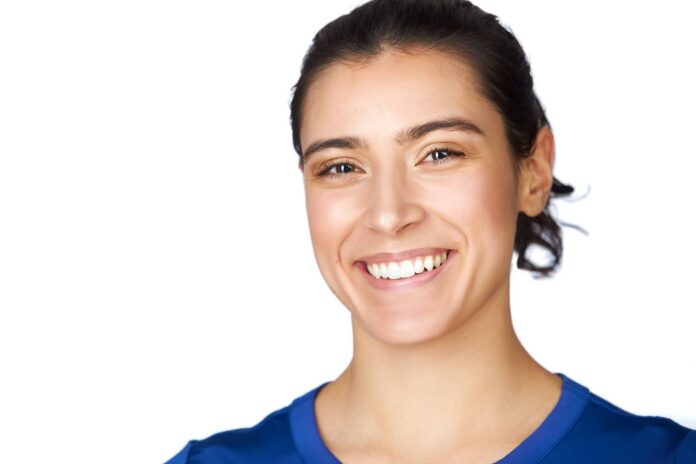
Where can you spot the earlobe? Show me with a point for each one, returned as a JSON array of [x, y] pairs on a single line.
[[537, 174]]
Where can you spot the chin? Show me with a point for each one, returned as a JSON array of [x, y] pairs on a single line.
[[402, 327]]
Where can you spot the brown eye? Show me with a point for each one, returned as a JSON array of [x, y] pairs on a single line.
[[336, 169], [440, 155]]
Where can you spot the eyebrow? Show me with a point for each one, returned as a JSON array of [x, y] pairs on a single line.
[[402, 137]]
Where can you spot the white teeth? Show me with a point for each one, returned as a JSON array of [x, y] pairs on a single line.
[[406, 268], [374, 270], [394, 270], [418, 265]]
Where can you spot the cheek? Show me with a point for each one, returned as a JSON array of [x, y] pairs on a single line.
[[329, 216], [479, 202], [494, 205]]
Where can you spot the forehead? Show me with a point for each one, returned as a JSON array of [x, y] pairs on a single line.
[[393, 91]]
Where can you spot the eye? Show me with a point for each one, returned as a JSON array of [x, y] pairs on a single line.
[[442, 154], [336, 169]]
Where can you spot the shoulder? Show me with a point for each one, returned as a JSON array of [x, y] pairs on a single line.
[[273, 439], [608, 433], [270, 440]]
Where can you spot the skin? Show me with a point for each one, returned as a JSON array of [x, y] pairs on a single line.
[[438, 374]]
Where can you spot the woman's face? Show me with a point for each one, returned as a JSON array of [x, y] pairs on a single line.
[[384, 193]]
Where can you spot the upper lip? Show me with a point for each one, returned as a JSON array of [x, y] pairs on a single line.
[[401, 255]]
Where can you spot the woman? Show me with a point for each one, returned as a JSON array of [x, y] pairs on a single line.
[[427, 162]]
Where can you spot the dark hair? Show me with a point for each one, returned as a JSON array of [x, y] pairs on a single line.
[[460, 28]]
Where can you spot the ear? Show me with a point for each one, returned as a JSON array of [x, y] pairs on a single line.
[[536, 176]]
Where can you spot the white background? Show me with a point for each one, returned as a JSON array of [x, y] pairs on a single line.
[[157, 281]]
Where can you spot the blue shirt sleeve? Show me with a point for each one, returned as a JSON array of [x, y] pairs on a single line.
[[687, 450], [182, 456]]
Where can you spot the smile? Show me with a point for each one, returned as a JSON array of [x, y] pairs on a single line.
[[407, 267], [409, 272]]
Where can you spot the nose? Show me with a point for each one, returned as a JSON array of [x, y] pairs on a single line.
[[393, 204]]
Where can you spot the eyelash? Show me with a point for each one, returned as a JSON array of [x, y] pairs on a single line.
[[324, 172]]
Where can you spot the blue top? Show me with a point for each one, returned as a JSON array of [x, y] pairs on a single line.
[[581, 428]]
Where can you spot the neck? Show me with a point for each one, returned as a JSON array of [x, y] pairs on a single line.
[[473, 384]]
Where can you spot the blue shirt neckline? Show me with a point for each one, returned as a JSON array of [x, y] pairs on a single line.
[[570, 406]]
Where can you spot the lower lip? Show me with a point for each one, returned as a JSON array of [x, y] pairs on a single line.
[[409, 282]]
